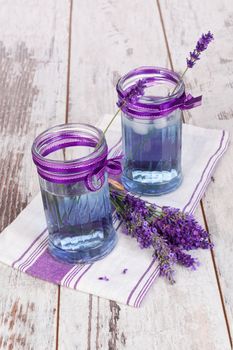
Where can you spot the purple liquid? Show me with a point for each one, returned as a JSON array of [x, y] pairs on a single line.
[[152, 149], [79, 222]]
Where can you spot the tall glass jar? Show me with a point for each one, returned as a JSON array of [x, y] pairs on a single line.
[[152, 129], [75, 192]]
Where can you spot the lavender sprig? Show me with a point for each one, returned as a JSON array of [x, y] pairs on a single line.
[[201, 46], [133, 92], [194, 56], [166, 257], [168, 231], [131, 96]]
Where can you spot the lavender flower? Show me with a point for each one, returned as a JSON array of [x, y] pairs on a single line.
[[131, 96], [165, 256], [103, 278], [133, 93], [136, 91], [168, 231], [181, 229], [185, 259], [201, 46]]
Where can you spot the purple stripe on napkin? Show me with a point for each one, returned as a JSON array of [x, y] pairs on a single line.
[[66, 282], [31, 245], [49, 269], [208, 178], [78, 280], [139, 281], [34, 255], [203, 173], [146, 287]]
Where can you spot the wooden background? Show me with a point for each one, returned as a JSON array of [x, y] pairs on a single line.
[[60, 61]]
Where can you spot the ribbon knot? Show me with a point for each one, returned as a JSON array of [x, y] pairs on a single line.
[[131, 103], [112, 166], [191, 102]]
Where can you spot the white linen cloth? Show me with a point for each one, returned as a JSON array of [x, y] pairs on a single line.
[[129, 270]]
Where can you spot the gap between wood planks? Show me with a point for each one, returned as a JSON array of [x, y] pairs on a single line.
[[217, 278], [58, 315], [201, 202], [64, 154], [68, 64]]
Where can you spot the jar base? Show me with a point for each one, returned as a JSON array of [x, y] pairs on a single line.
[[84, 256], [151, 189]]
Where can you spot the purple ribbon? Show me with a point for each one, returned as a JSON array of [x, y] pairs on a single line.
[[89, 169], [131, 103]]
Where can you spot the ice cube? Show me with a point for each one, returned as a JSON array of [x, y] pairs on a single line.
[[140, 127], [160, 123]]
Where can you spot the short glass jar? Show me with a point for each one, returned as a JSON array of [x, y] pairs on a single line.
[[75, 192], [151, 130]]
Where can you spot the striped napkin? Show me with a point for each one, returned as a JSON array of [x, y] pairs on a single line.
[[128, 271]]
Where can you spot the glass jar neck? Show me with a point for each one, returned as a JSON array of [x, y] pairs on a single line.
[[65, 136], [151, 104]]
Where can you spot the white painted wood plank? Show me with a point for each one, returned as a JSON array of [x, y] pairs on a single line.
[[213, 77], [33, 73], [109, 38], [188, 315], [28, 312], [185, 316]]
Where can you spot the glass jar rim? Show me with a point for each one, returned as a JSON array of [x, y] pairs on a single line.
[[135, 104], [90, 168], [151, 72], [101, 144]]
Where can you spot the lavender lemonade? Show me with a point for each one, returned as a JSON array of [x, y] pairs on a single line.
[[75, 191], [151, 101], [79, 221], [152, 154]]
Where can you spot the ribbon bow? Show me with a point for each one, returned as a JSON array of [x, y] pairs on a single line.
[[129, 98], [191, 102], [95, 180]]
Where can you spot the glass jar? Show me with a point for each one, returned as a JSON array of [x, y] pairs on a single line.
[[152, 129], [75, 192], [152, 162]]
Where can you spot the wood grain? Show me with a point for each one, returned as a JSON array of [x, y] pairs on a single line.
[[187, 315], [108, 39], [213, 77], [28, 311], [33, 71], [106, 43]]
